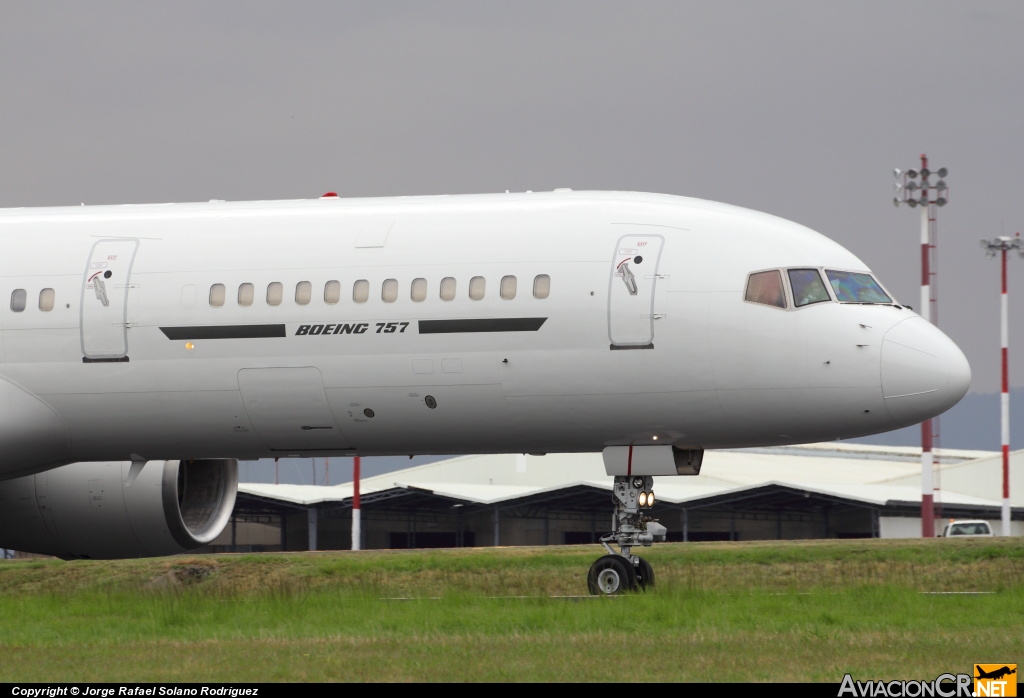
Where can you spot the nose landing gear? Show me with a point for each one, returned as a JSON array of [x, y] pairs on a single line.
[[616, 573]]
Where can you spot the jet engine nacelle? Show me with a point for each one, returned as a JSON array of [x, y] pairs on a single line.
[[89, 510]]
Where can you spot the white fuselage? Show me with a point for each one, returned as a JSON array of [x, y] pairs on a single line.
[[153, 349]]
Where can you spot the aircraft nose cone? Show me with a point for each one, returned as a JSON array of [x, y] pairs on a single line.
[[923, 372]]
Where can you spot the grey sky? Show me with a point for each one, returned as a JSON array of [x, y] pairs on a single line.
[[800, 109]]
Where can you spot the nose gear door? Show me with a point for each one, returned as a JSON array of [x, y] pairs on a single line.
[[634, 273], [104, 300]]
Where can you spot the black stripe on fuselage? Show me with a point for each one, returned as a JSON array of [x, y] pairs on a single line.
[[224, 331], [507, 324]]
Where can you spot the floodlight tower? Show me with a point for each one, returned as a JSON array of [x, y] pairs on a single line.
[[914, 188], [1002, 245]]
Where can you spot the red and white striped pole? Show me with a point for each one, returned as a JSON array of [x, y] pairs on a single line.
[[928, 196], [356, 512], [1004, 343], [927, 460], [1004, 245]]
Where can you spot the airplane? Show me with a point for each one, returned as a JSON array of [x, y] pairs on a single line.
[[648, 327], [995, 674]]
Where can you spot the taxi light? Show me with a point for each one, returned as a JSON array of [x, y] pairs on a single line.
[[650, 499], [643, 499]]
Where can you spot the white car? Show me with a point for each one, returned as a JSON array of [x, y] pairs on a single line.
[[971, 528]]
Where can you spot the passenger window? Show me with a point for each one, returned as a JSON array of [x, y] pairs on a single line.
[[807, 287], [217, 294], [332, 292], [542, 286], [448, 288], [508, 287], [856, 288], [275, 292], [246, 293], [361, 291], [766, 287], [389, 291], [46, 299], [18, 300], [303, 292], [418, 292], [476, 288]]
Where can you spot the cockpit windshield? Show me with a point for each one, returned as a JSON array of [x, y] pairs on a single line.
[[851, 287], [807, 287]]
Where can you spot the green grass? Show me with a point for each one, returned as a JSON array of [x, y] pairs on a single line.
[[779, 611]]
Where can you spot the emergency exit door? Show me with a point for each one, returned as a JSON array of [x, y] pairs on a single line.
[[634, 277], [105, 288]]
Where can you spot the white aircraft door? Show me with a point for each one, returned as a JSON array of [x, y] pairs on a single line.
[[288, 409], [105, 300], [634, 274]]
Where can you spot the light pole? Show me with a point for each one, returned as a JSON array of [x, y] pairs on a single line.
[[914, 188], [1002, 245]]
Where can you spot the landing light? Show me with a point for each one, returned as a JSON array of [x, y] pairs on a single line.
[[643, 499], [650, 499]]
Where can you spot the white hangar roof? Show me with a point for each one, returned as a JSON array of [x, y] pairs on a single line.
[[872, 475]]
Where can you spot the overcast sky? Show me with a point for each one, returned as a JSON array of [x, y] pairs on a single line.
[[800, 109]]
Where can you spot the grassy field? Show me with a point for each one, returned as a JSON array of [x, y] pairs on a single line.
[[759, 611]]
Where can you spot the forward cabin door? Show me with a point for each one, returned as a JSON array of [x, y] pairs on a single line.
[[105, 288], [632, 283]]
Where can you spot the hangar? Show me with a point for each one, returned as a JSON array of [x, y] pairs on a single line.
[[829, 490]]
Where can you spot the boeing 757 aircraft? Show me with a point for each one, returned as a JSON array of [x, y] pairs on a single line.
[[145, 348]]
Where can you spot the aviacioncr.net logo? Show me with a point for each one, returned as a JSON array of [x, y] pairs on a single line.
[[943, 686], [995, 680]]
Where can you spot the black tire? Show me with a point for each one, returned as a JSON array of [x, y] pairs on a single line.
[[610, 575], [644, 574]]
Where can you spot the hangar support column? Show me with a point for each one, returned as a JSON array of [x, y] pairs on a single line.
[[311, 520]]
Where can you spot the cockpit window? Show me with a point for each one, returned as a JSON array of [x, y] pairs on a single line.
[[766, 287], [851, 287], [807, 287]]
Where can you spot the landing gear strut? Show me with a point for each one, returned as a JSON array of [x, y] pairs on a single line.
[[616, 573]]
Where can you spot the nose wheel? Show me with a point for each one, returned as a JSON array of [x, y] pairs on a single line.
[[618, 573], [610, 575], [644, 574]]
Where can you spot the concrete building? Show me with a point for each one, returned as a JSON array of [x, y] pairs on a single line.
[[830, 490]]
